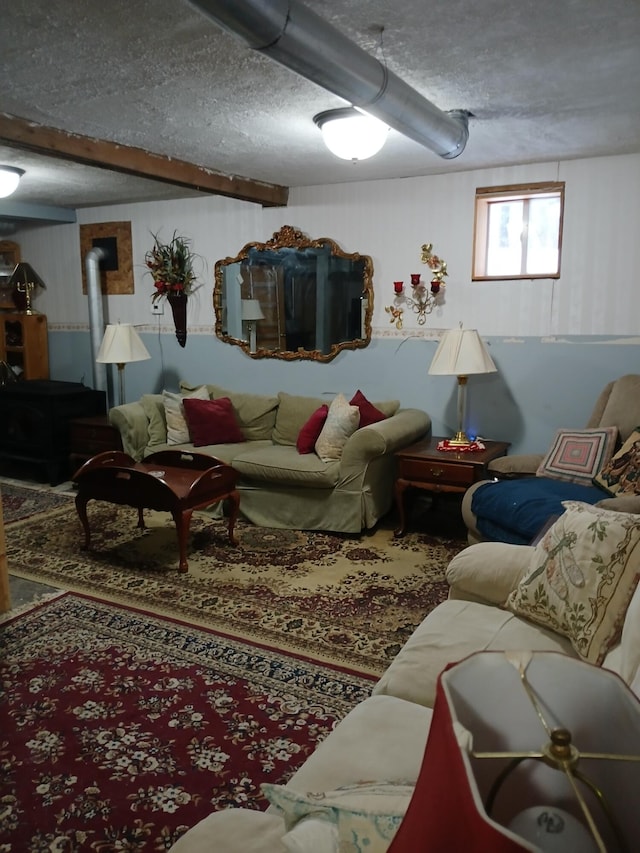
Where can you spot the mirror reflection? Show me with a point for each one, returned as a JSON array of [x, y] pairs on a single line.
[[294, 298]]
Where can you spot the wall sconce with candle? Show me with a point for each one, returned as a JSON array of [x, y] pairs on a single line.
[[422, 299]]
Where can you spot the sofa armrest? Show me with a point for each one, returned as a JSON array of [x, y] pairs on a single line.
[[622, 503], [487, 571], [526, 464], [384, 437], [132, 423]]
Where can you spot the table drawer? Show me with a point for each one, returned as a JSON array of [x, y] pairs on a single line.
[[91, 439], [428, 471]]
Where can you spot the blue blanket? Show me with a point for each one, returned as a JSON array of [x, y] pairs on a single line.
[[516, 510]]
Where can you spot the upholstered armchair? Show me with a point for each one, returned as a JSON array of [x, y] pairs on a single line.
[[515, 505]]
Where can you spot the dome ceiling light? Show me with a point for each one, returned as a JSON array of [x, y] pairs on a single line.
[[9, 180], [296, 37], [351, 134]]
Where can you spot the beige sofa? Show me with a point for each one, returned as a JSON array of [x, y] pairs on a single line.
[[383, 738], [280, 487]]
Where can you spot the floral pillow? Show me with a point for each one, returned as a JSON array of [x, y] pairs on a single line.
[[578, 455], [621, 476], [365, 816], [581, 577], [342, 421]]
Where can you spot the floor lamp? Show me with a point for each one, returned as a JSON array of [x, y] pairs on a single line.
[[461, 353], [120, 345]]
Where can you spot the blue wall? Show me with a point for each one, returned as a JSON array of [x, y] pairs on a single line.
[[555, 383]]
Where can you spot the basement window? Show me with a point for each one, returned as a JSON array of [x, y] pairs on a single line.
[[518, 231]]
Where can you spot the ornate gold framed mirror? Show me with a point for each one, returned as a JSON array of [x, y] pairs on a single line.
[[294, 298]]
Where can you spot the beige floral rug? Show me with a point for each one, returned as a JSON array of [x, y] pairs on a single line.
[[351, 601]]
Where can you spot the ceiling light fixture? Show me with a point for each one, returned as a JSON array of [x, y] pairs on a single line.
[[9, 180], [351, 134]]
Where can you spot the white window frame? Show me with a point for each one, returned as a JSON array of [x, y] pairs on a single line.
[[515, 192]]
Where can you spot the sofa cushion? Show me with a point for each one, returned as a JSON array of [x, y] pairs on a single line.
[[282, 465], [515, 511], [369, 414], [621, 476], [177, 429], [578, 455], [153, 405], [452, 631], [364, 816], [308, 435], [581, 578], [293, 413], [256, 413], [342, 421], [487, 571], [211, 421]]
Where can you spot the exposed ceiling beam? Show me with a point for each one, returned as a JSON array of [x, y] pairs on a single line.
[[50, 141]]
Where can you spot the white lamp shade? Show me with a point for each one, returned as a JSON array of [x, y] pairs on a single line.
[[120, 345], [461, 352], [9, 180], [251, 310], [351, 134]]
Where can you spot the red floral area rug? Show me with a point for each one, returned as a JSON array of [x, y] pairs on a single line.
[[120, 730]]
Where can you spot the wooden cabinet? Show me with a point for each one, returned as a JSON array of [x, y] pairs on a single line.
[[24, 344]]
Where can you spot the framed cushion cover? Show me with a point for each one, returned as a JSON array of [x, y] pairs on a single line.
[[621, 475], [581, 578], [578, 455]]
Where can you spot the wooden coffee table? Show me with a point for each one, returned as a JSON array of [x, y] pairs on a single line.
[[170, 481]]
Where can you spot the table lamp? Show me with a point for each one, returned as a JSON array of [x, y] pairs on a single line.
[[251, 313], [533, 751], [23, 281], [460, 353], [120, 345]]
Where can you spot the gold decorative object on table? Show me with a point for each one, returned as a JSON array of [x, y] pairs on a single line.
[[422, 299]]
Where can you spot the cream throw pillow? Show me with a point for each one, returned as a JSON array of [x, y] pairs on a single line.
[[342, 421], [582, 576], [177, 429]]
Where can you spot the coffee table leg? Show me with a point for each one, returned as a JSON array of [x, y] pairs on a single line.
[[81, 507], [234, 506], [183, 521]]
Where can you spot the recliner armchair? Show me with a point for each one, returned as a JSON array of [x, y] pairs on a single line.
[[515, 505]]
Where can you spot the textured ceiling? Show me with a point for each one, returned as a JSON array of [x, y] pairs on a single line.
[[544, 80]]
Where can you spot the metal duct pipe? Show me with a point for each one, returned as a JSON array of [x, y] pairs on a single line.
[[96, 316], [294, 36]]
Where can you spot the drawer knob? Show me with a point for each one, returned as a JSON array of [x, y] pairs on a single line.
[[437, 472]]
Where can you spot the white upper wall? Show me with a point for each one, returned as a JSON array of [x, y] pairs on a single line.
[[597, 293]]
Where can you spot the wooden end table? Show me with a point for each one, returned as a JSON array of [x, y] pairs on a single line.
[[90, 436], [423, 466], [168, 481]]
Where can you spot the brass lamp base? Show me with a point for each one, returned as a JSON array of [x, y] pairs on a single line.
[[460, 439]]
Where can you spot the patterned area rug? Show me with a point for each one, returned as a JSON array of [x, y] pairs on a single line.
[[19, 502], [349, 600], [120, 730]]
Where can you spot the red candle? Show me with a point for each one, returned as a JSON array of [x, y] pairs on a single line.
[[397, 286], [415, 279], [435, 285]]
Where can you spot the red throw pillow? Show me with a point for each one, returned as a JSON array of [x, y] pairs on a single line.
[[368, 412], [211, 421], [309, 433]]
